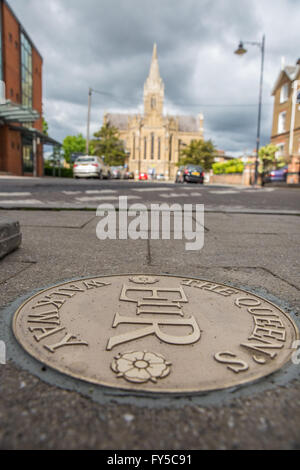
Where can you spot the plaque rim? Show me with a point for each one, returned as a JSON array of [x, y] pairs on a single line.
[[143, 389]]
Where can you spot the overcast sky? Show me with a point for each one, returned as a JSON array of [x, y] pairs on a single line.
[[107, 44]]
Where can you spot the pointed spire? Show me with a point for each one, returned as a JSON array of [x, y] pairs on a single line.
[[154, 57], [154, 81], [154, 69]]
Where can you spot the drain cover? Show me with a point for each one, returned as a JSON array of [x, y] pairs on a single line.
[[155, 333]]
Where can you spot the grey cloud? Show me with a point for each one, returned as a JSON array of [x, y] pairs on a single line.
[[107, 44]]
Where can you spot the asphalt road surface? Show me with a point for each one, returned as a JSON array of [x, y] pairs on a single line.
[[43, 409], [67, 193]]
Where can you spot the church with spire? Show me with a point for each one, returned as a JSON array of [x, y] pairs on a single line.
[[154, 140]]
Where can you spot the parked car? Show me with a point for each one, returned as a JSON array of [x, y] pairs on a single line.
[[115, 172], [129, 175], [143, 177], [118, 172], [90, 167], [161, 177], [279, 175], [190, 174]]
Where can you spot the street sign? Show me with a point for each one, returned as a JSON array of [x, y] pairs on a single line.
[[155, 333]]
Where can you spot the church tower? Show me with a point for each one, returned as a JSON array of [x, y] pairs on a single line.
[[154, 89]]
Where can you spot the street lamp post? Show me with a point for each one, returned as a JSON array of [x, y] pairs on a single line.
[[91, 91], [88, 121], [241, 51]]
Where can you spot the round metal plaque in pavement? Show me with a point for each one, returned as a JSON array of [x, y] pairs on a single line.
[[155, 333]]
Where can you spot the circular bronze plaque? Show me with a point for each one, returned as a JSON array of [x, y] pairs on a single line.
[[155, 333]]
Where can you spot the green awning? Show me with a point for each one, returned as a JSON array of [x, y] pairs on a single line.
[[31, 133], [12, 112]]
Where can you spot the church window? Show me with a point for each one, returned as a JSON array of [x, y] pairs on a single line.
[[171, 148], [153, 102], [133, 148], [159, 149], [152, 146]]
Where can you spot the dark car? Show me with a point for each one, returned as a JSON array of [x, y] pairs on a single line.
[[279, 175], [116, 173], [190, 174]]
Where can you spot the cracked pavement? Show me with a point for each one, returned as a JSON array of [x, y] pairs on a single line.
[[254, 252]]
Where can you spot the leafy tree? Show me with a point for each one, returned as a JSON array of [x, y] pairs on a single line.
[[73, 144], [45, 127], [267, 157], [109, 145], [232, 166], [199, 152]]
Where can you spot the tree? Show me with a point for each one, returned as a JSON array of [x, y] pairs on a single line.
[[199, 152], [232, 166], [45, 127], [108, 145], [267, 157], [73, 144]]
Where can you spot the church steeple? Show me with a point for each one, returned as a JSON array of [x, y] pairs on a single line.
[[154, 90]]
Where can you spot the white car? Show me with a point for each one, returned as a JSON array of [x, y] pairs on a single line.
[[91, 167]]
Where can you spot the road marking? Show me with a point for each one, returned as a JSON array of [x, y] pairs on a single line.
[[15, 194], [26, 201], [262, 190], [191, 187], [104, 198], [101, 191], [223, 192], [152, 189], [71, 193], [174, 195]]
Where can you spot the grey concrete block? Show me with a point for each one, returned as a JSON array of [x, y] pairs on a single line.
[[10, 236]]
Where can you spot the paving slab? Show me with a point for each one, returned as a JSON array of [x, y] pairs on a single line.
[[42, 409], [67, 219], [249, 223]]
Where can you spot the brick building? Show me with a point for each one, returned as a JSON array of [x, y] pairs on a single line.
[[21, 124], [286, 119]]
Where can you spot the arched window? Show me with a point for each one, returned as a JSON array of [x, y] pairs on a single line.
[[171, 148], [145, 148], [153, 102], [152, 146], [284, 93], [159, 148], [133, 147]]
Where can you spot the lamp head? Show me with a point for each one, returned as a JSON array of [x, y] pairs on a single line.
[[240, 50]]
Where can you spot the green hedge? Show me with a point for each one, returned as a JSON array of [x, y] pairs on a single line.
[[232, 166], [64, 172]]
